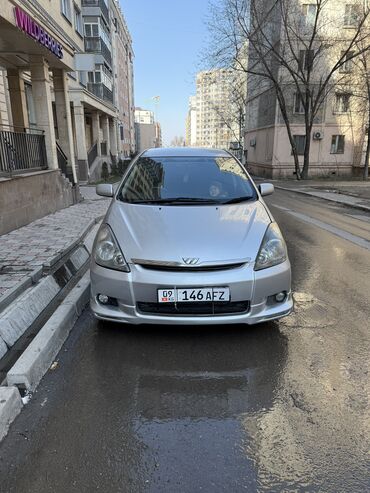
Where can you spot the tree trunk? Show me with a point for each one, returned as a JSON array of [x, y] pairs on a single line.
[[306, 155], [367, 156]]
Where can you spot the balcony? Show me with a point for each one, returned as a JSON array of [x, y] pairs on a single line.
[[97, 3], [101, 91], [94, 44]]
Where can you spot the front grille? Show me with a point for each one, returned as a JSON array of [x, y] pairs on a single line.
[[191, 309], [179, 268]]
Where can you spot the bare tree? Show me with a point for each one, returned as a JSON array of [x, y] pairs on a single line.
[[359, 78], [293, 48], [178, 141]]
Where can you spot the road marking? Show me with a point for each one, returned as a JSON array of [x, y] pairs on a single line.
[[327, 227]]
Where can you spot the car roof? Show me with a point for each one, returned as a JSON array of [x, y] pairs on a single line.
[[184, 152]]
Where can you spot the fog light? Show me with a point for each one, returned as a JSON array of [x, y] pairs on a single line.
[[103, 299], [280, 297]]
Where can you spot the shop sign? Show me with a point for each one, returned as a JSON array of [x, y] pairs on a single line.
[[35, 31]]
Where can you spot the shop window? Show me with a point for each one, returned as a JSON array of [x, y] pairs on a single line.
[[30, 107], [337, 144]]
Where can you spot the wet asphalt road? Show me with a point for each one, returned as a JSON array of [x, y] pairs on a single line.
[[282, 406]]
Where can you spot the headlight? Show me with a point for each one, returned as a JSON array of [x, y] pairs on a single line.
[[273, 249], [107, 252]]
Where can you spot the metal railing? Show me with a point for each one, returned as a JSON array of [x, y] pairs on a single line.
[[100, 90], [92, 154], [21, 149], [94, 44], [63, 164]]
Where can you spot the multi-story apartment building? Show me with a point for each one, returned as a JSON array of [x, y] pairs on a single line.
[[59, 104], [216, 122], [124, 81], [191, 123], [144, 116], [148, 132], [337, 139]]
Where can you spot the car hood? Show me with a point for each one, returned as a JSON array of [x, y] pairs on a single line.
[[212, 234]]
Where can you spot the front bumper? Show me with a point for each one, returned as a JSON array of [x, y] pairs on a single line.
[[141, 285]]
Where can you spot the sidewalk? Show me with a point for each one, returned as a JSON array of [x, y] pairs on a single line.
[[28, 252], [351, 193]]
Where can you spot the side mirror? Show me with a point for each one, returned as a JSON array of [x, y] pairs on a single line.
[[266, 189], [105, 190]]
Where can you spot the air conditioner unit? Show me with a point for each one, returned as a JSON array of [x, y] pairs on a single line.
[[252, 142], [318, 135]]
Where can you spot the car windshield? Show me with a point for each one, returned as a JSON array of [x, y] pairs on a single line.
[[187, 180]]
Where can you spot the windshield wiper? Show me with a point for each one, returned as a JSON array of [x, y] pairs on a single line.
[[237, 200], [176, 200]]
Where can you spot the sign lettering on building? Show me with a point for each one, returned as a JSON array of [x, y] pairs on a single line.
[[35, 31]]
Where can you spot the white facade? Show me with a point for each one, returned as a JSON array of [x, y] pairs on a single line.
[[216, 121], [191, 122], [144, 116]]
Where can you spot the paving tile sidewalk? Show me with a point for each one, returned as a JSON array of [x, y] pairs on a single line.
[[352, 193], [27, 251]]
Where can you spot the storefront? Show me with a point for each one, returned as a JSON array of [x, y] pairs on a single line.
[[37, 47]]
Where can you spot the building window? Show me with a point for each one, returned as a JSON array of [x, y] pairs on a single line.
[[337, 144], [351, 15], [65, 7], [348, 62], [92, 30], [306, 58], [94, 77], [121, 132], [300, 142], [78, 20], [342, 103], [298, 104], [309, 13]]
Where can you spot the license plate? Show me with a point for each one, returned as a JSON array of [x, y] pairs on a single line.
[[185, 295]]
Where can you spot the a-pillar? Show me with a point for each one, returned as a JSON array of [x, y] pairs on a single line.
[[106, 138], [64, 120], [43, 107], [81, 149], [96, 131], [17, 97], [113, 136]]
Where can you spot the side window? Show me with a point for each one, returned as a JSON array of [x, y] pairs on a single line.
[[300, 142], [337, 144], [65, 7]]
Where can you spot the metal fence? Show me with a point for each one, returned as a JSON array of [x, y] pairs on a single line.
[[92, 154], [21, 150]]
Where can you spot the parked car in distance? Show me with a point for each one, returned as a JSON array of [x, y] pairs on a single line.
[[188, 239]]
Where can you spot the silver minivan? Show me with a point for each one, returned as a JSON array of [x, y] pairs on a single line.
[[188, 239]]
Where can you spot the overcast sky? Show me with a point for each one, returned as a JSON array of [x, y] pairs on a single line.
[[168, 37]]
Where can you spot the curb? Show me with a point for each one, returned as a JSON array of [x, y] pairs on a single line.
[[10, 406], [39, 355], [329, 199], [35, 275]]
